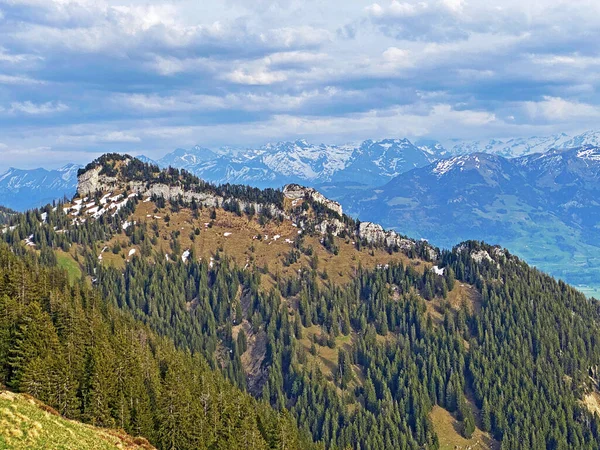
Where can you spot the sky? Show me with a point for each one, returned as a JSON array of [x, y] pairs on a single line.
[[80, 78]]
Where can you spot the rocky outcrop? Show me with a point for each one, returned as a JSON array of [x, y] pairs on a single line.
[[296, 192], [91, 181], [371, 232], [374, 233], [336, 226]]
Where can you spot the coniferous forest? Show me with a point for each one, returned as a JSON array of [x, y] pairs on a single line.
[[158, 347]]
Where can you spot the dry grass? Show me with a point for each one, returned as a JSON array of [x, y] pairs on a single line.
[[449, 429], [241, 243], [592, 402], [26, 423], [326, 357], [462, 293]]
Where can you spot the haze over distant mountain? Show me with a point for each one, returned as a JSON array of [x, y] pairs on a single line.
[[544, 207], [523, 146], [369, 163], [334, 169], [24, 189]]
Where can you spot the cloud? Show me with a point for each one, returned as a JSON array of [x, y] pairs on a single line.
[[555, 109], [259, 76], [133, 75], [419, 21], [18, 79], [38, 109], [103, 137], [398, 57], [118, 137]]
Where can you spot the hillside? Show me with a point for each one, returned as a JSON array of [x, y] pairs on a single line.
[[543, 207], [5, 214], [361, 336], [27, 423]]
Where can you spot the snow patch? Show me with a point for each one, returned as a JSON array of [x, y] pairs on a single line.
[[438, 271]]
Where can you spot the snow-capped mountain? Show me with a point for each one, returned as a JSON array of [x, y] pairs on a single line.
[[369, 163], [543, 207], [24, 189], [185, 158], [511, 148]]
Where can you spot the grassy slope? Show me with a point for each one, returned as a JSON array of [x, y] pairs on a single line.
[[25, 423], [66, 261], [240, 243], [449, 429]]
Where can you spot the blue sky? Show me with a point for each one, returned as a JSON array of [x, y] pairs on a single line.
[[79, 78]]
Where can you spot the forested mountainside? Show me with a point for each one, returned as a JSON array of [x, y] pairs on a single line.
[[543, 207], [363, 338], [69, 348], [5, 214]]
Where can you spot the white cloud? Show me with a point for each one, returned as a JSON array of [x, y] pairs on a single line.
[[397, 9], [242, 101], [155, 75], [73, 137], [118, 136], [398, 57], [18, 79], [38, 109], [557, 109], [455, 6], [6, 56], [255, 77]]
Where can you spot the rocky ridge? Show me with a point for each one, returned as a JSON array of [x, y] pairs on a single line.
[[101, 192]]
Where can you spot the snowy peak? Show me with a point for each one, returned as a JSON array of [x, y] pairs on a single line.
[[24, 189], [589, 153], [39, 178], [475, 161], [511, 148], [181, 158], [433, 148], [589, 138], [274, 164]]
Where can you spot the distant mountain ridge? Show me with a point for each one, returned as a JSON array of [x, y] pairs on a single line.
[[515, 147], [335, 169], [369, 163], [544, 207], [25, 189]]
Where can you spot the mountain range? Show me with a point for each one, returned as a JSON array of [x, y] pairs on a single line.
[[272, 165], [541, 204], [22, 189], [193, 316], [544, 207], [332, 168]]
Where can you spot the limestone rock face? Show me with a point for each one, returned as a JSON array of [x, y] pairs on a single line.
[[374, 233], [295, 192], [337, 227], [371, 232], [91, 181]]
